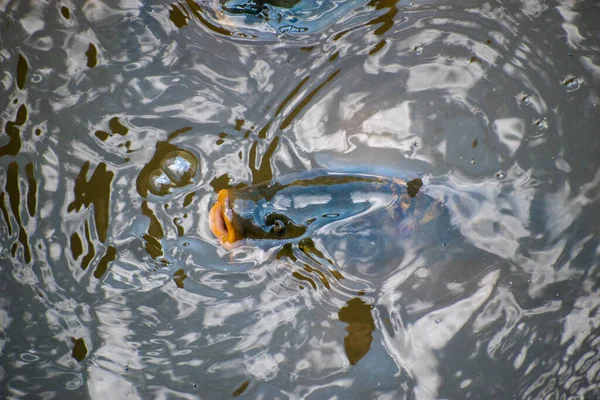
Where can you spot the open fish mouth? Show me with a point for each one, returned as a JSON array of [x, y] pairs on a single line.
[[220, 222]]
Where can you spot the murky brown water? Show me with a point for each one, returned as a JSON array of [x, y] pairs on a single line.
[[123, 119]]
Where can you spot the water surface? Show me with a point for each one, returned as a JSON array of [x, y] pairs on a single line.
[[112, 281]]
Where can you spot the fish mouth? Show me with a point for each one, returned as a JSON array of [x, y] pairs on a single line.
[[221, 224]]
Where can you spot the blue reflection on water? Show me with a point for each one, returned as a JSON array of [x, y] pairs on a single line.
[[302, 17]]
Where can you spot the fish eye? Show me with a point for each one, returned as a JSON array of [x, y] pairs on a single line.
[[276, 223], [277, 227]]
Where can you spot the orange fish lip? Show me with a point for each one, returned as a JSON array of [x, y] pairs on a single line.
[[221, 224]]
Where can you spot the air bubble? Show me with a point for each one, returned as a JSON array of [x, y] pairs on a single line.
[[571, 83], [540, 124], [524, 98], [500, 175], [180, 166], [176, 169], [159, 183]]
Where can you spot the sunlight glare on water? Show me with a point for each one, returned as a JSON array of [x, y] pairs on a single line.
[[123, 120]]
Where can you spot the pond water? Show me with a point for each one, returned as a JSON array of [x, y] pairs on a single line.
[[124, 118]]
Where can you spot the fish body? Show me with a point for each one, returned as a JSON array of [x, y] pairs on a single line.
[[308, 204]]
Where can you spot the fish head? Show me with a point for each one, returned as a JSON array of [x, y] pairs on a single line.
[[248, 214]]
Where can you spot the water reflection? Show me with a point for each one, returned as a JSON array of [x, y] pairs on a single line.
[[262, 19], [112, 284]]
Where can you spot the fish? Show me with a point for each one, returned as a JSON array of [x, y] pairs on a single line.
[[353, 227], [305, 205]]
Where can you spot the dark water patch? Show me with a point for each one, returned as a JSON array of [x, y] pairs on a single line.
[[154, 234], [386, 20], [155, 228], [357, 314], [22, 69], [240, 389], [13, 147], [127, 145], [305, 101], [102, 135], [109, 256], [32, 190], [220, 182], [14, 199], [292, 95], [301, 277], [321, 275], [178, 227], [92, 56], [262, 133], [152, 246], [340, 35], [286, 251], [179, 15], [187, 200], [24, 240], [263, 172], [117, 127], [178, 132], [76, 245], [222, 137], [96, 191], [91, 250], [337, 274], [378, 47], [307, 246], [178, 277], [66, 13], [239, 124], [5, 213], [79, 349]]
